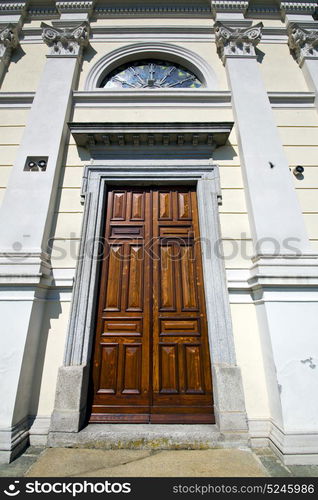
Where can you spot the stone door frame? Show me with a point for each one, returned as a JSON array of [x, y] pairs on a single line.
[[72, 387]]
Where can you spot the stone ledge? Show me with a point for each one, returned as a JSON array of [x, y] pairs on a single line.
[[146, 436]]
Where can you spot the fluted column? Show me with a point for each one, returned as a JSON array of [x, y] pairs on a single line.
[[25, 220]]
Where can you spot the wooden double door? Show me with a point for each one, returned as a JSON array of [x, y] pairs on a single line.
[[151, 355]]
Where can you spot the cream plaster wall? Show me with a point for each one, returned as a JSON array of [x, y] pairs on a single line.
[[279, 70], [53, 337], [137, 113], [269, 23], [246, 337], [25, 68], [234, 220], [299, 133], [12, 123]]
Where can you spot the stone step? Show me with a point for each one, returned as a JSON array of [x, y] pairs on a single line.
[[148, 436]]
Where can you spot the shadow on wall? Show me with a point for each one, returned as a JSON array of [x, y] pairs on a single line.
[[27, 399], [89, 54], [225, 153], [259, 55], [52, 311], [17, 54]]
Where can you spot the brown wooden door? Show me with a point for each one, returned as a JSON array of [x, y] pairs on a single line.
[[151, 355]]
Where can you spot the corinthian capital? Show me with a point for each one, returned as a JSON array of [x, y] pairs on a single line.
[[8, 42], [237, 42], [66, 41], [303, 43]]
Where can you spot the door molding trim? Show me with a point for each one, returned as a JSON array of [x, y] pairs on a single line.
[[72, 385]]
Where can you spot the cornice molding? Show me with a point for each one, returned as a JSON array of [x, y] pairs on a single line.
[[43, 12], [237, 42], [12, 7], [66, 41], [67, 6], [107, 11], [14, 13], [51, 9], [16, 99], [298, 7], [9, 41], [188, 98], [302, 43], [144, 98], [229, 6], [96, 135]]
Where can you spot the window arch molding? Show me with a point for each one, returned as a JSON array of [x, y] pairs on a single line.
[[163, 51]]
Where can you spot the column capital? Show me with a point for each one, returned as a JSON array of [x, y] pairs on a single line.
[[303, 43], [9, 40], [237, 42], [66, 41]]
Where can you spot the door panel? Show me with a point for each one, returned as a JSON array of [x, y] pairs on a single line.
[[123, 322], [151, 354], [180, 339]]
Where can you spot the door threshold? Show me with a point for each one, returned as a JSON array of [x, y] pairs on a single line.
[[152, 418], [148, 436]]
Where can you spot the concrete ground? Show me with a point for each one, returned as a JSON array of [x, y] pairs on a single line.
[[70, 462]]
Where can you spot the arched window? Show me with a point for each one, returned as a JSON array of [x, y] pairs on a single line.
[[151, 74]]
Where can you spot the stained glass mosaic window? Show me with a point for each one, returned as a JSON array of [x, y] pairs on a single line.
[[151, 74]]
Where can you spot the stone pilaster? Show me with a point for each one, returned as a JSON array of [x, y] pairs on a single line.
[[284, 264], [265, 166], [8, 42], [303, 44], [25, 272], [12, 14]]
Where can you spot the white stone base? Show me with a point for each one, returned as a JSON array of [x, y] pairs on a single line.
[[259, 432], [297, 448], [13, 441]]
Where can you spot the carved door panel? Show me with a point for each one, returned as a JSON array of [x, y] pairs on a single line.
[[121, 372], [182, 389], [151, 356]]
